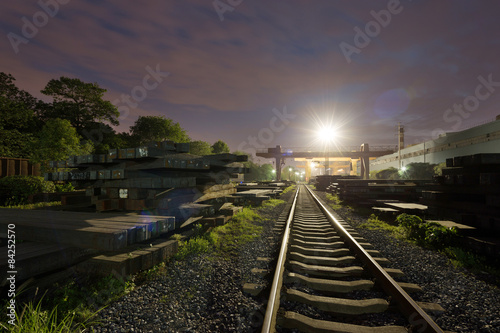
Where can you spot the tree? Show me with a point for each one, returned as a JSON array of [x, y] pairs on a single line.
[[438, 169], [200, 148], [155, 128], [220, 147], [80, 103], [17, 119], [57, 141], [390, 173], [419, 171], [104, 137], [266, 172]]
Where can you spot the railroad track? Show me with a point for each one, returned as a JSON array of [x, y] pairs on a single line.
[[327, 279]]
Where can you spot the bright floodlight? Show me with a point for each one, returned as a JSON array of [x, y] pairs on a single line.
[[326, 134], [403, 169]]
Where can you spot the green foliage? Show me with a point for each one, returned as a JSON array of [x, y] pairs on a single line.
[[247, 215], [220, 147], [427, 233], [104, 137], [200, 148], [155, 128], [271, 203], [68, 187], [193, 246], [438, 169], [259, 172], [85, 299], [374, 223], [289, 188], [411, 171], [18, 188], [34, 319], [18, 122], [79, 102], [460, 257], [390, 173], [243, 228], [334, 201], [289, 173], [57, 141], [418, 171], [35, 205]]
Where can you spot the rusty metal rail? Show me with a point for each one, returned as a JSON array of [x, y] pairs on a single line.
[[417, 318], [403, 301], [274, 296]]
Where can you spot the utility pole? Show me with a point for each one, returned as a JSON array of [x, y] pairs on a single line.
[[401, 143]]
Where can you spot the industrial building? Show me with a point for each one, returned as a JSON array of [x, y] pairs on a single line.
[[480, 139]]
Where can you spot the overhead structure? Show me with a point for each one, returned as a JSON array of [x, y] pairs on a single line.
[[363, 154]]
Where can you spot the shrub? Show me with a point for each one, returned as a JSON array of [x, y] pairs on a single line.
[[68, 187], [429, 233], [193, 246], [18, 188]]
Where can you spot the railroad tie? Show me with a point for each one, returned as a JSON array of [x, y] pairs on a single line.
[[338, 305]]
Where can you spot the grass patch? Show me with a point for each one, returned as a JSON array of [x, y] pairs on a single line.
[[225, 240], [271, 203], [243, 228], [289, 189], [334, 201], [37, 205], [460, 257], [374, 223], [34, 318], [68, 307], [435, 236], [193, 246]]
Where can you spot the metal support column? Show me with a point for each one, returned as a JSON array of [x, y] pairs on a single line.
[[365, 161], [279, 159]]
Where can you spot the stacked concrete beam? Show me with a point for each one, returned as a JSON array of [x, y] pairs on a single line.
[[132, 178], [469, 192]]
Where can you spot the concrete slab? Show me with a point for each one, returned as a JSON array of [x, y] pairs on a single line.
[[407, 206], [451, 224], [339, 305], [325, 271], [334, 286], [303, 323]]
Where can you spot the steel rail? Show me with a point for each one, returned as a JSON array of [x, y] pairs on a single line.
[[269, 324], [418, 318]]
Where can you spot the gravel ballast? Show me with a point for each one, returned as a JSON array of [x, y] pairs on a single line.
[[471, 305], [201, 294], [205, 293]]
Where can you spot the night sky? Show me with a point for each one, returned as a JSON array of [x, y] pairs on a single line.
[[261, 73]]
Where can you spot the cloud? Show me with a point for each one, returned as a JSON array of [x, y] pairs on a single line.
[[265, 55]]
